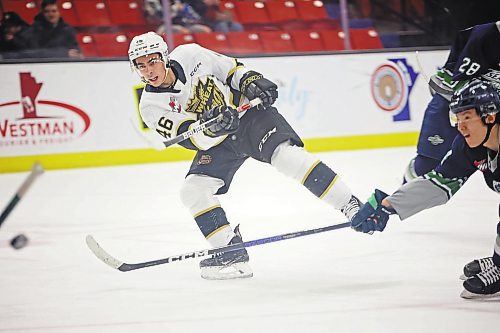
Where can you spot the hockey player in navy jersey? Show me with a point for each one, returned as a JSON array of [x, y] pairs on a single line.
[[474, 109], [192, 85], [475, 54]]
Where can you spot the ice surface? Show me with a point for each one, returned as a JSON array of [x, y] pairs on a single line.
[[405, 279]]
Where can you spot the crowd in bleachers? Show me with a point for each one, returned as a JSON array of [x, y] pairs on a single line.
[[103, 28]]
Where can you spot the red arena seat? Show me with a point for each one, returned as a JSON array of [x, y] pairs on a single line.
[[313, 10], [68, 13], [245, 42], [228, 5], [92, 13], [125, 12], [87, 45], [365, 39], [251, 12], [281, 11], [333, 40], [111, 44], [27, 9], [215, 41], [180, 39], [276, 41], [307, 41]]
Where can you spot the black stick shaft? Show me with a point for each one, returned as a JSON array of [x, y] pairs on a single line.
[[124, 267], [35, 172]]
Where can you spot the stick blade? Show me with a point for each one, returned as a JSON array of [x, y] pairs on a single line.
[[102, 255]]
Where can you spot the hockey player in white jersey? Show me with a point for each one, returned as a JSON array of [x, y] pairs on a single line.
[[192, 85], [475, 109]]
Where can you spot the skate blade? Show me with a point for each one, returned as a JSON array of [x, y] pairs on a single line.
[[235, 271], [468, 295]]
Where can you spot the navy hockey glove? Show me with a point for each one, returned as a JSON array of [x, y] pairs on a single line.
[[227, 123], [474, 51], [372, 216], [254, 85]]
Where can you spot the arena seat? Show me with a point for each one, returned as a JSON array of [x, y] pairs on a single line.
[[228, 5], [67, 10], [307, 41], [365, 39], [281, 11], [311, 10], [276, 41], [26, 9], [251, 12], [180, 39], [87, 45], [92, 13], [245, 42], [111, 44], [125, 12], [333, 40], [215, 41]]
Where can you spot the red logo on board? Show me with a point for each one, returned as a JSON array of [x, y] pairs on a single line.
[[42, 122]]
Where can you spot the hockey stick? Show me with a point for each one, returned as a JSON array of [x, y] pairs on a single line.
[[199, 128], [105, 257], [36, 170]]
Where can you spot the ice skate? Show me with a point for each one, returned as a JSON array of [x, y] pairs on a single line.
[[476, 266], [227, 265], [483, 285], [351, 208]]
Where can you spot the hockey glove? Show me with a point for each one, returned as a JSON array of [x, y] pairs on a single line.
[[372, 216], [227, 120], [254, 85]]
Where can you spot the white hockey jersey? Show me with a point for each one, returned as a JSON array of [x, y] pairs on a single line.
[[205, 79]]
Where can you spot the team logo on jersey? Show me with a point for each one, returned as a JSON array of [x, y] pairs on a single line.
[[481, 165], [391, 85], [41, 122], [496, 186], [205, 159], [174, 105], [435, 140], [206, 95]]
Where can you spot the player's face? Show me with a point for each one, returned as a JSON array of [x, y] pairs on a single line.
[[471, 127], [52, 14], [152, 68]]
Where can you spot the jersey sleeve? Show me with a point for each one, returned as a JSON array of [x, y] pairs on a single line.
[[474, 51], [169, 124], [437, 186]]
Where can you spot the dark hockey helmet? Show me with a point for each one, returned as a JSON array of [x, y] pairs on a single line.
[[477, 94]]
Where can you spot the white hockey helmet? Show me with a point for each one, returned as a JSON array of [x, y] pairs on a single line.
[[145, 44]]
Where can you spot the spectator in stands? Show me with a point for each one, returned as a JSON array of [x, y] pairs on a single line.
[[51, 37], [13, 39], [214, 17], [184, 18]]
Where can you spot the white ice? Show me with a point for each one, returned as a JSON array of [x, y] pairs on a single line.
[[405, 279]]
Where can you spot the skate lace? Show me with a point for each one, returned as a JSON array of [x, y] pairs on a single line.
[[351, 208], [490, 276], [485, 263]]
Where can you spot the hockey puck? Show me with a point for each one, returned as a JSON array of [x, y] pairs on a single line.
[[19, 241]]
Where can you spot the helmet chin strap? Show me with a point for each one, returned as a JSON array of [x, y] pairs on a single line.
[[488, 132], [165, 77]]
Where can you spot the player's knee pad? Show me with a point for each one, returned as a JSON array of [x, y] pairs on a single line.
[[197, 193], [316, 176], [292, 161]]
